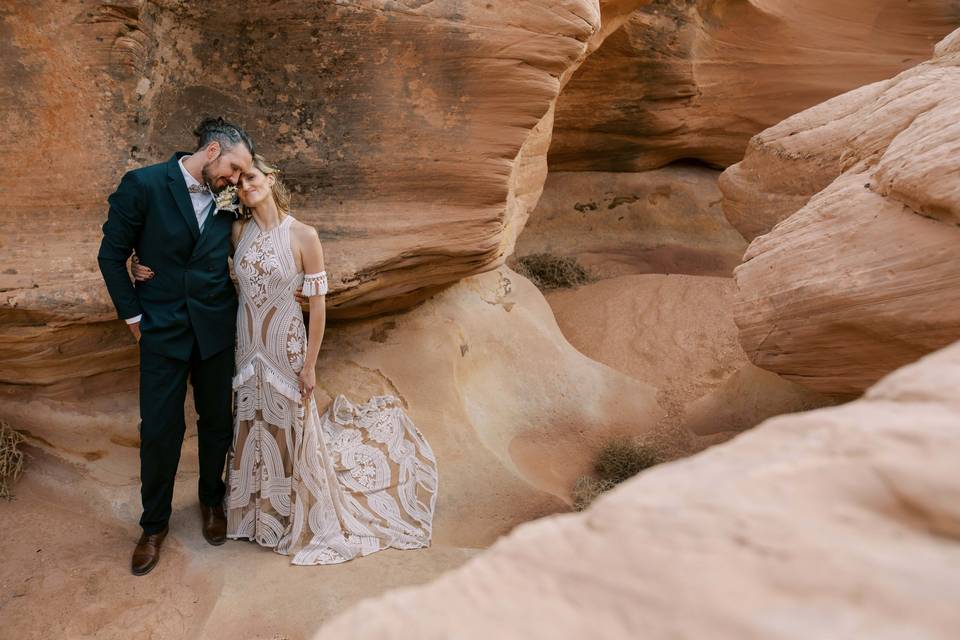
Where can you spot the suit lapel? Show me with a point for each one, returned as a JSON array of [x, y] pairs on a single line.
[[207, 227], [178, 188]]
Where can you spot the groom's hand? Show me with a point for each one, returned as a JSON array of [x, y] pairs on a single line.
[[300, 298], [135, 330]]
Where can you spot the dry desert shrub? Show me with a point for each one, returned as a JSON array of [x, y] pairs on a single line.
[[623, 459], [617, 461], [586, 489], [11, 458], [548, 271]]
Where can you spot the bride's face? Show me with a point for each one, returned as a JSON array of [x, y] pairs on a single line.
[[254, 187]]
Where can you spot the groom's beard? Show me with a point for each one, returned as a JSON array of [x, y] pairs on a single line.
[[212, 182]]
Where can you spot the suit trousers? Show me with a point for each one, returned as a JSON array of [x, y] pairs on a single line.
[[163, 389]]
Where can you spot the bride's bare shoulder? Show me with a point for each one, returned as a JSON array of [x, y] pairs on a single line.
[[304, 233]]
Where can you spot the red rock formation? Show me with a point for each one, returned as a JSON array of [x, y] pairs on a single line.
[[837, 522], [414, 136], [698, 78], [864, 276]]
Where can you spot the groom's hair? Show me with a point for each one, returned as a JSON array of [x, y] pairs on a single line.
[[227, 134]]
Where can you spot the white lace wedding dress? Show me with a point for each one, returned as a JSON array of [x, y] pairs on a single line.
[[322, 489]]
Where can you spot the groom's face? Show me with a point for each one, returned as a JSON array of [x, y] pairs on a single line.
[[225, 166]]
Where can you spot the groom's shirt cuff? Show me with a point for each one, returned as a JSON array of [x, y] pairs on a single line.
[[134, 319]]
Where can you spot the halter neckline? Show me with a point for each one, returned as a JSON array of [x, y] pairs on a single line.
[[274, 228]]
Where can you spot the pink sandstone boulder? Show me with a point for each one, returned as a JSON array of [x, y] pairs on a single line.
[[840, 522], [857, 273], [512, 411]]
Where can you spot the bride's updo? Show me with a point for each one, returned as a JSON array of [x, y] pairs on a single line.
[[281, 195]]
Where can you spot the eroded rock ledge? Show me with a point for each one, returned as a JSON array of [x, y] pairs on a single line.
[[414, 136]]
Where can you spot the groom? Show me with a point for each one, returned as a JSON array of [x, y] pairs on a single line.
[[184, 318]]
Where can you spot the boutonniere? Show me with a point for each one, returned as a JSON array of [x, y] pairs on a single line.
[[228, 200]]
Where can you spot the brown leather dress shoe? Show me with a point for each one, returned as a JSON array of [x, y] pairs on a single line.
[[147, 553], [214, 524]]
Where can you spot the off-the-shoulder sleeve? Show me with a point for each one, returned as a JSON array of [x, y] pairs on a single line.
[[315, 284]]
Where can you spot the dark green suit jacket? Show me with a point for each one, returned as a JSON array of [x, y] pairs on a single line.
[[191, 298]]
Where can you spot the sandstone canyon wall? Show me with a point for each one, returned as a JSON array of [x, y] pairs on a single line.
[[690, 81], [416, 137], [695, 79], [413, 135], [418, 159], [666, 220], [858, 268]]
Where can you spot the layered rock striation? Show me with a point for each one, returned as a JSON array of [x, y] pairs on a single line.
[[695, 79], [413, 136]]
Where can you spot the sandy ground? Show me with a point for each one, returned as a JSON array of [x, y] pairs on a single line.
[[65, 574]]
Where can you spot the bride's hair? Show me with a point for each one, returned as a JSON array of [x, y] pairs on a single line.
[[281, 195]]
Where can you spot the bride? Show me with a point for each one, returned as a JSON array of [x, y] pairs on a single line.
[[321, 489]]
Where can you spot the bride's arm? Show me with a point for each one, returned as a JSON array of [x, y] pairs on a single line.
[[315, 288], [235, 235]]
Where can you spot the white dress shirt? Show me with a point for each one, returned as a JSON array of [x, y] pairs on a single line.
[[201, 208], [201, 201]]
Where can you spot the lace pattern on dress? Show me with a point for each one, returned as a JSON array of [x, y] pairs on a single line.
[[321, 489]]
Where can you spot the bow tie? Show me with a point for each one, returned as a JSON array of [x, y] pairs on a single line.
[[198, 188]]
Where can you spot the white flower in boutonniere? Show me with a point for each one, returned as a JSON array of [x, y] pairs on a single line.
[[228, 200]]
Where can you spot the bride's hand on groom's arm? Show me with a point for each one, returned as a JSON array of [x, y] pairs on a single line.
[[140, 272]]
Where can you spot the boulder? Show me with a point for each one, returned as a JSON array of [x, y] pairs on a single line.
[[836, 522], [513, 413], [856, 274]]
